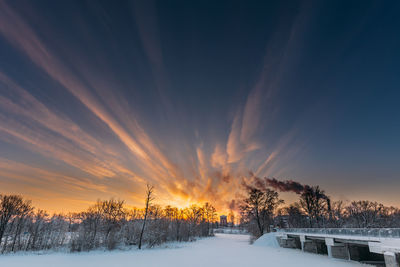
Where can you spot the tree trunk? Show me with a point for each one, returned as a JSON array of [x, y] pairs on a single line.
[[149, 198]]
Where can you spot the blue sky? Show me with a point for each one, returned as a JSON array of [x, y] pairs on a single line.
[[97, 98]]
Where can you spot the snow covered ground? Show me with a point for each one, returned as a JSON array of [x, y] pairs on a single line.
[[267, 240], [222, 250]]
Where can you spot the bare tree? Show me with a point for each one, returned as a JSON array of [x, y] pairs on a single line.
[[149, 199], [209, 215], [231, 218], [112, 213], [10, 205], [296, 218], [175, 216], [105, 224], [258, 208], [338, 214], [365, 214], [314, 202], [25, 210]]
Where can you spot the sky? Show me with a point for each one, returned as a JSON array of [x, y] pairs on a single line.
[[99, 98]]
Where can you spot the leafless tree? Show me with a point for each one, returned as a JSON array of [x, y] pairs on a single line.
[[315, 203], [107, 224], [258, 209], [149, 199], [339, 214], [10, 207], [209, 215], [231, 218], [365, 214], [296, 218]]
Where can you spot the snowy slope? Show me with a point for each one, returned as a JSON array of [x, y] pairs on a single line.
[[222, 250], [267, 240]]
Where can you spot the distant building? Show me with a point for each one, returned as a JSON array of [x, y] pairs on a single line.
[[223, 221]]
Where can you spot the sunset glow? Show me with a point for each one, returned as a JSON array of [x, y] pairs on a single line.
[[98, 106]]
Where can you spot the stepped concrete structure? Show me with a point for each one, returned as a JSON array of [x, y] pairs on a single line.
[[375, 246]]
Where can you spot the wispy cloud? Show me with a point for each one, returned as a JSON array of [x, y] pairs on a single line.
[[130, 156], [154, 164]]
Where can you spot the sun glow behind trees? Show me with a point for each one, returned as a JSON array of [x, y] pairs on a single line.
[[113, 153], [120, 96], [106, 224]]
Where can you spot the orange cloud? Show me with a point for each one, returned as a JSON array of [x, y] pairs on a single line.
[[131, 157]]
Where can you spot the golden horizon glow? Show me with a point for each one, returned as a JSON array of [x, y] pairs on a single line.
[[76, 128]]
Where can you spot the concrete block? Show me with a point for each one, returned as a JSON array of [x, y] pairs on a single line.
[[310, 246], [329, 241], [391, 259], [288, 243], [314, 246], [355, 253], [375, 247], [340, 252]]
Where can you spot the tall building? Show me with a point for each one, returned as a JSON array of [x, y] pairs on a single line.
[[223, 220]]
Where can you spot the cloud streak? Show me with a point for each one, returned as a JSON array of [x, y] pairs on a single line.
[[126, 155]]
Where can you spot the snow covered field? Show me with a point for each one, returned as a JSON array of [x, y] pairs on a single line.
[[222, 250]]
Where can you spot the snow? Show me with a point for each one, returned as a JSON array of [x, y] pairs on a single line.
[[267, 240], [221, 250]]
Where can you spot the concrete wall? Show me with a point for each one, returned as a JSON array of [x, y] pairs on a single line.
[[289, 242], [340, 252], [391, 259], [314, 246], [372, 252]]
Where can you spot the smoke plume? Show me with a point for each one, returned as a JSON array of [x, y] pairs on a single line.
[[287, 186], [292, 186]]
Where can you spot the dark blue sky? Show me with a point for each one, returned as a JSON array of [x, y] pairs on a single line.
[[99, 97]]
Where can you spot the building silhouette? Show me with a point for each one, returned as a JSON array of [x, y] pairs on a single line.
[[223, 220]]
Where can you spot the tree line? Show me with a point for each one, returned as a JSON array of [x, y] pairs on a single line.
[[261, 209], [107, 224]]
